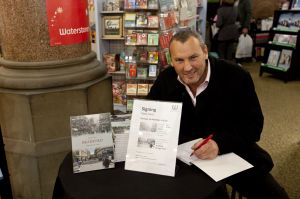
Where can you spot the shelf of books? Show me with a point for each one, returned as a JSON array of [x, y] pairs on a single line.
[[281, 52]]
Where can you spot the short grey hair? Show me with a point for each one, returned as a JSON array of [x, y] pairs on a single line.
[[184, 34]]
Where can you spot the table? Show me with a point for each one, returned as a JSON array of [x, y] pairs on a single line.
[[189, 182]]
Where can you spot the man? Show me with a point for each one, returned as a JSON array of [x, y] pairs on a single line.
[[218, 97], [244, 14]]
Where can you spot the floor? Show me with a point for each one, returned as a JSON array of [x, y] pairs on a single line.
[[281, 134]]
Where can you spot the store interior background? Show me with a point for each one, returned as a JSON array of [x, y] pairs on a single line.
[[279, 101]]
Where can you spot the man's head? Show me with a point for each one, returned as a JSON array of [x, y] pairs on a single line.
[[189, 54]]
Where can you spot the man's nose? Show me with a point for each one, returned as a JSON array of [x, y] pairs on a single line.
[[187, 65]]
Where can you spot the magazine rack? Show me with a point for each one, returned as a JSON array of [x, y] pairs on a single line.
[[281, 57]]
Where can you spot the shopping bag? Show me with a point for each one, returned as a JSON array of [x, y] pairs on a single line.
[[244, 47]]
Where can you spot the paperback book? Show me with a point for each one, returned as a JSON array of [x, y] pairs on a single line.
[[285, 59], [141, 20], [152, 70], [152, 4], [153, 21], [132, 70], [131, 89], [153, 39], [129, 20], [141, 4], [142, 39], [92, 143], [131, 39], [142, 72], [120, 126], [142, 89], [119, 91], [129, 4], [273, 57], [153, 57]]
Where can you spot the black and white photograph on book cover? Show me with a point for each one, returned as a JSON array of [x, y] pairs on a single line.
[[273, 57], [92, 143], [296, 5], [285, 59], [285, 20]]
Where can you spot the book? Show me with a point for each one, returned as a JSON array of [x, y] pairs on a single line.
[[152, 4], [141, 39], [120, 127], [285, 20], [152, 70], [295, 5], [132, 70], [153, 21], [110, 62], [129, 105], [153, 39], [142, 89], [92, 143], [131, 89], [149, 87], [153, 57], [119, 91], [141, 20], [165, 38], [166, 5], [141, 4], [131, 39], [273, 57], [285, 59], [129, 19], [142, 72], [293, 40], [129, 4], [295, 23], [281, 38], [153, 137]]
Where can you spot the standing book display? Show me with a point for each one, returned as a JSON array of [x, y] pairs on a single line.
[[153, 138], [280, 56], [92, 143]]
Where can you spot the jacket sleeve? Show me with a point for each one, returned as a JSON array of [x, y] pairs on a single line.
[[246, 122]]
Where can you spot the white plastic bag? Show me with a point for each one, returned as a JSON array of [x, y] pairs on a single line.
[[244, 47]]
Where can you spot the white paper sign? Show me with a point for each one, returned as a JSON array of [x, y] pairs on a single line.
[[153, 137]]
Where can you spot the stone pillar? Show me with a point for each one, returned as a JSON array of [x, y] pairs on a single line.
[[40, 88]]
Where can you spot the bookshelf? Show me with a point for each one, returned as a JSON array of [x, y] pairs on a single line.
[[281, 57]]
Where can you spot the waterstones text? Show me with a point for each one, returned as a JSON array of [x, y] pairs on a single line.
[[73, 31]]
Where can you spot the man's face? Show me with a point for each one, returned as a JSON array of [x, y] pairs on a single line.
[[188, 60]]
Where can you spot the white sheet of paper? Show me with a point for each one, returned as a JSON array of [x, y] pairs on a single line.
[[219, 168], [153, 137]]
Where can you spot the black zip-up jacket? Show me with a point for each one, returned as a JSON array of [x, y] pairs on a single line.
[[229, 108]]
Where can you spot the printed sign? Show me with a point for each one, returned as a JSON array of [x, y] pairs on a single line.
[[68, 21]]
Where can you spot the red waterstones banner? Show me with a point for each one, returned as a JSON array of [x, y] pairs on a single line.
[[68, 21]]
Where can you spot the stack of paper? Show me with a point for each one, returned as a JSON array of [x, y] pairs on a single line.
[[219, 168]]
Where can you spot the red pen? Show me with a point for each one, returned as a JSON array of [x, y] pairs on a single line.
[[202, 143]]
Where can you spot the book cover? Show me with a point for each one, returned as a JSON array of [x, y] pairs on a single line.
[[282, 38], [273, 57], [149, 87], [295, 24], [285, 20], [120, 126], [131, 39], [141, 39], [92, 143], [129, 4], [142, 72], [129, 105], [296, 5], [293, 40], [119, 91], [153, 21], [152, 4], [166, 5], [153, 39], [141, 20], [142, 89], [153, 57], [129, 20], [152, 70], [285, 59], [141, 4], [131, 89], [165, 38], [132, 70]]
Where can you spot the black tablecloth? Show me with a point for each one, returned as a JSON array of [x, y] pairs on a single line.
[[189, 182]]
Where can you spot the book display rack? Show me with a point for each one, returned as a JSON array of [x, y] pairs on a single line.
[[132, 40], [281, 53]]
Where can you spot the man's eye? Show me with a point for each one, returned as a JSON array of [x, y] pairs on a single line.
[[194, 58]]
